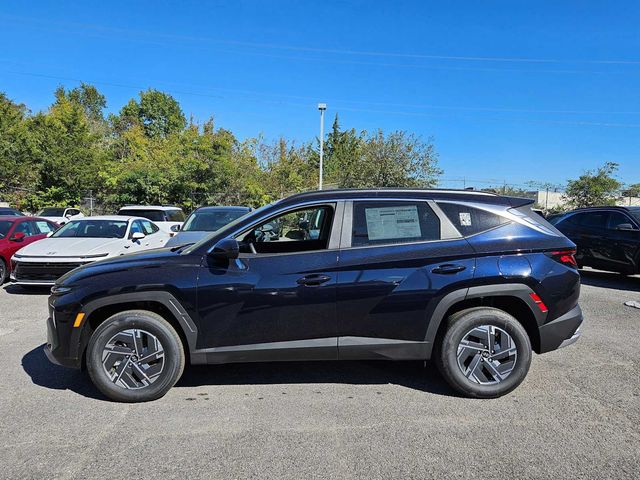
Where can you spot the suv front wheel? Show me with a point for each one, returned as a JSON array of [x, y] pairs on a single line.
[[135, 356], [484, 353]]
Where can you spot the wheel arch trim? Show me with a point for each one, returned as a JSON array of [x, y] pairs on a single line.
[[516, 290]]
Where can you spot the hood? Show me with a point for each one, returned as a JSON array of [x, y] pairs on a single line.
[[182, 238], [71, 247], [144, 259]]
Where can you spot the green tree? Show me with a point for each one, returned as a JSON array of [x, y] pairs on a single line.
[[159, 114], [594, 187]]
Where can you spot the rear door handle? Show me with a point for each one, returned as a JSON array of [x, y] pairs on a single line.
[[313, 280], [448, 268]]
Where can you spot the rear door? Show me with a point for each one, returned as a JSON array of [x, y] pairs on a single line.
[[398, 258]]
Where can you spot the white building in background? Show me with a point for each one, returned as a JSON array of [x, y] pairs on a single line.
[[548, 200]]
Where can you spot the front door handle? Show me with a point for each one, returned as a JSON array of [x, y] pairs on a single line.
[[313, 280], [448, 268]]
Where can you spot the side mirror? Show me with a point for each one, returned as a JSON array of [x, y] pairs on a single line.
[[17, 237], [625, 226], [226, 248], [175, 228], [137, 236]]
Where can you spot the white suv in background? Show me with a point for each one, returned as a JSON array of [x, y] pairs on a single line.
[[60, 215], [168, 218]]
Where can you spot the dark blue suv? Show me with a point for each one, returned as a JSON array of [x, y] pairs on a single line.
[[472, 280]]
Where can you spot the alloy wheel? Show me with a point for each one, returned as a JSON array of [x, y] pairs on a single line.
[[487, 355], [133, 359]]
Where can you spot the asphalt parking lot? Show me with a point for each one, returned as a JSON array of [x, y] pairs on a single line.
[[577, 415]]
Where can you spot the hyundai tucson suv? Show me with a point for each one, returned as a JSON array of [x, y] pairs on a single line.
[[607, 238], [474, 281]]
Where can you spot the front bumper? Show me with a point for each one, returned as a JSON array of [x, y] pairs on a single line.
[[62, 344], [561, 332]]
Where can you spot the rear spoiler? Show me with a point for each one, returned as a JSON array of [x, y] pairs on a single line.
[[519, 201]]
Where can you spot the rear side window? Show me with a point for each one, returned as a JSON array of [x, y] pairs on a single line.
[[175, 216], [469, 220], [153, 215], [592, 219], [379, 222]]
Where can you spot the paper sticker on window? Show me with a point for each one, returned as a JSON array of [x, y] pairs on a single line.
[[44, 227], [393, 222], [465, 219]]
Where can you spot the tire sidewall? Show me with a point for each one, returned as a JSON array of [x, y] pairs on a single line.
[[155, 325], [4, 271], [459, 328]]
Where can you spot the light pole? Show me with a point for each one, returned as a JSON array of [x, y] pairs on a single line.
[[322, 107]]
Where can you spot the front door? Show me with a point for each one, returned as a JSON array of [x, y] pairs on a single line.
[[278, 297]]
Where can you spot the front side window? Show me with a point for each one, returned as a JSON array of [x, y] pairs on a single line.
[[389, 222], [28, 228], [616, 219], [148, 227], [593, 219], [295, 231], [470, 220], [93, 229]]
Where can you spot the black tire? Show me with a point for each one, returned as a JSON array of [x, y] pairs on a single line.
[[152, 325], [458, 327], [3, 271]]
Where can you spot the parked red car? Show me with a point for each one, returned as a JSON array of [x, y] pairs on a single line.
[[15, 233]]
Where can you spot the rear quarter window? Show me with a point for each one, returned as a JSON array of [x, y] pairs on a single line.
[[470, 220]]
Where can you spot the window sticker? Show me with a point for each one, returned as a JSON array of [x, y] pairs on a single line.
[[44, 227], [465, 219], [393, 222]]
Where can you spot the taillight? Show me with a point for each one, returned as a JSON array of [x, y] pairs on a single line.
[[565, 257]]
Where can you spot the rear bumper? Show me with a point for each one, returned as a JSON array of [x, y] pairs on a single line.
[[562, 331]]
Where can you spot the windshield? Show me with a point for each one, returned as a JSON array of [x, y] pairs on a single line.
[[206, 239], [93, 229], [153, 215], [10, 211], [51, 212], [5, 225], [211, 220]]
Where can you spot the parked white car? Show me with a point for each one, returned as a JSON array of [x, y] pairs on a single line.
[[60, 215], [82, 241], [168, 218]]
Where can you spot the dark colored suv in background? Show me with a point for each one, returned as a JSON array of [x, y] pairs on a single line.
[[608, 238], [474, 281]]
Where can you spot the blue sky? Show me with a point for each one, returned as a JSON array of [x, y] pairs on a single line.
[[509, 90]]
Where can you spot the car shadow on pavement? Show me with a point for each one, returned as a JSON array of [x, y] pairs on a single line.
[[407, 374], [410, 374], [14, 289], [46, 374], [597, 278]]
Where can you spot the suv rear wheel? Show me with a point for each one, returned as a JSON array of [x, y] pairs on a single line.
[[135, 356], [484, 353]]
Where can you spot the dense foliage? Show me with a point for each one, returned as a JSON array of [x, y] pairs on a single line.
[[594, 187], [150, 153]]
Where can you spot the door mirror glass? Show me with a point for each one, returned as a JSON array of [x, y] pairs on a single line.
[[175, 228], [226, 248], [137, 236], [18, 237]]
